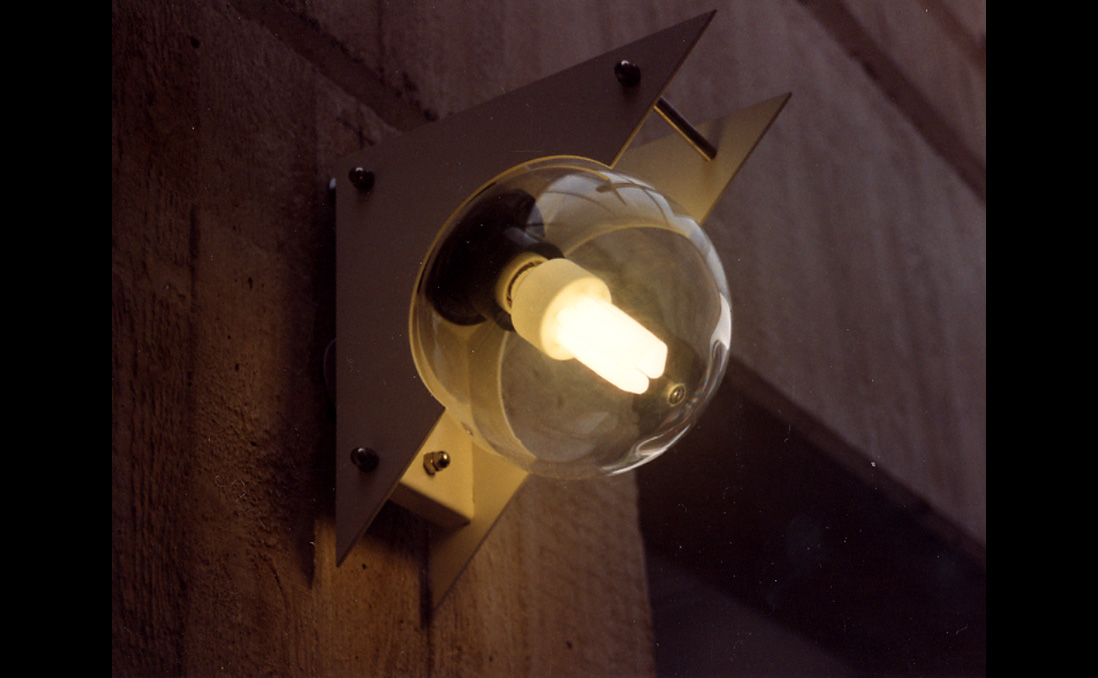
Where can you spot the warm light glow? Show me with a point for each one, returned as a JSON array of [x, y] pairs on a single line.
[[608, 341], [567, 313]]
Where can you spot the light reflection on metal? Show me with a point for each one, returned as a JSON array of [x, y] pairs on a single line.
[[695, 138], [392, 199]]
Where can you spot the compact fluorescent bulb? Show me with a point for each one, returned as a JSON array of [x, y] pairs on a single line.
[[566, 312]]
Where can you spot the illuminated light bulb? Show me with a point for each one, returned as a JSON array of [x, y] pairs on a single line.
[[566, 312]]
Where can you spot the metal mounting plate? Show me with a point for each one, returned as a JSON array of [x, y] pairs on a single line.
[[672, 165], [383, 236], [444, 497], [676, 169], [495, 481]]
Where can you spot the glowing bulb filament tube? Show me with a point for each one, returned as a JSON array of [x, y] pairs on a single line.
[[616, 347], [566, 312]]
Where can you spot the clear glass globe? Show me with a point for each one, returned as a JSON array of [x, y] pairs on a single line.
[[552, 416]]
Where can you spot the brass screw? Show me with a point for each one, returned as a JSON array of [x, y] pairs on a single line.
[[433, 462], [676, 394]]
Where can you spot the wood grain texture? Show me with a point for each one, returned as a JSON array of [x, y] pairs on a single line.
[[152, 325], [555, 591], [223, 554]]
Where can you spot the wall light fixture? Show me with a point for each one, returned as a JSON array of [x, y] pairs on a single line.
[[521, 290]]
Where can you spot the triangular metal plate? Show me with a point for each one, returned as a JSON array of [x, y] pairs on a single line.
[[672, 165], [384, 234]]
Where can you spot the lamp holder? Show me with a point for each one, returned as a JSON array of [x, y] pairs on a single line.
[[461, 282], [391, 201]]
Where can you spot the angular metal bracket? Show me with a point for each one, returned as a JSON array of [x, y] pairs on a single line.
[[384, 233], [444, 496], [495, 481], [673, 167], [392, 200]]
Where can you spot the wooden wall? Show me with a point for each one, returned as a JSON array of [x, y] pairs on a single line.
[[854, 241]]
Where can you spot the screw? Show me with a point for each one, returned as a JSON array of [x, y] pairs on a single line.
[[434, 462], [365, 459], [676, 394], [628, 73], [362, 179]]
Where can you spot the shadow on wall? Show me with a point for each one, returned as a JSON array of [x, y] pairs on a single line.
[[765, 555]]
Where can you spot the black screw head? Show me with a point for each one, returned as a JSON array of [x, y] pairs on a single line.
[[628, 73], [361, 178], [365, 459]]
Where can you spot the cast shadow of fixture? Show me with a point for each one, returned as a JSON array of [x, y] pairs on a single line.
[[787, 532], [521, 289]]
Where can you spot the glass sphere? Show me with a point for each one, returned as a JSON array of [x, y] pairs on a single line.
[[552, 416]]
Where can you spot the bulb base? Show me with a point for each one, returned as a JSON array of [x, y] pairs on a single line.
[[462, 282]]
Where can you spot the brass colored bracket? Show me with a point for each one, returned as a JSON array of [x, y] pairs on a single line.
[[495, 481], [391, 202], [696, 139], [441, 493], [673, 168]]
